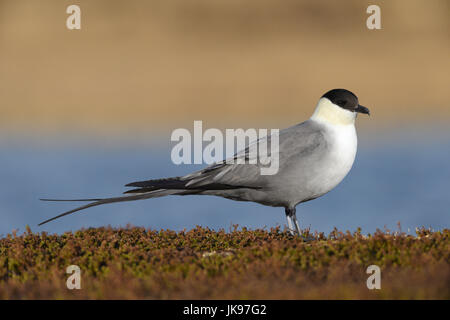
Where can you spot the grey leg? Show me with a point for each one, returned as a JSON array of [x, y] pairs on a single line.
[[292, 221], [290, 226], [297, 227], [294, 226]]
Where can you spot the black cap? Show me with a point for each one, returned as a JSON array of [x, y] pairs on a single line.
[[346, 100]]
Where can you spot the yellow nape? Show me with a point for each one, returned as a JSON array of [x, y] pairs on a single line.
[[328, 112]]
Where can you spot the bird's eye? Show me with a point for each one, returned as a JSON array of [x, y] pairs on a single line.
[[341, 102]]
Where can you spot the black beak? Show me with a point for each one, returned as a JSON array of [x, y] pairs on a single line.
[[362, 109]]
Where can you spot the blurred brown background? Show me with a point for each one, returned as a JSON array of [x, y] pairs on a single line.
[[146, 65]]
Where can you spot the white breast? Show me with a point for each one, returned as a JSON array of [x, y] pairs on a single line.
[[343, 150], [339, 160]]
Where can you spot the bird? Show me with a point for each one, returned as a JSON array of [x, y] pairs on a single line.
[[314, 157]]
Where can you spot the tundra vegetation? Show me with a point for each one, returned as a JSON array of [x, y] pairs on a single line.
[[139, 263]]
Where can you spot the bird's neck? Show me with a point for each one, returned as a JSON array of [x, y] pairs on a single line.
[[329, 113]]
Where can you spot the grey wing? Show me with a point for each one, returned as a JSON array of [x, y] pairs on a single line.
[[244, 169], [295, 151]]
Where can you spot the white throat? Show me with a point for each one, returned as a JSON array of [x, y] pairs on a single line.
[[329, 113]]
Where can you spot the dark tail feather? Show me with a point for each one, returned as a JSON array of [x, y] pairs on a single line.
[[168, 183], [98, 202], [177, 183]]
